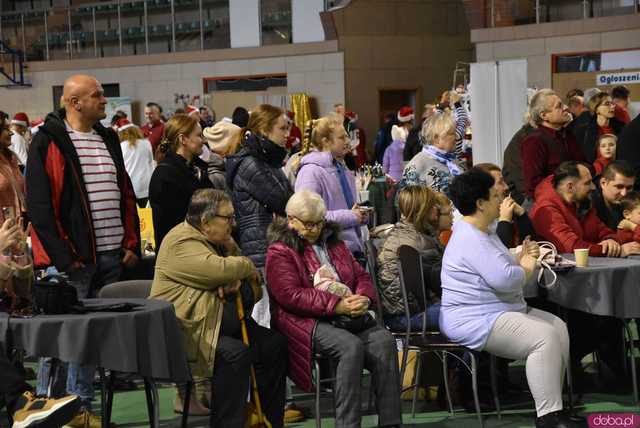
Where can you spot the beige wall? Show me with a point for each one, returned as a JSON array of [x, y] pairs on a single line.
[[399, 44], [314, 68], [538, 42]]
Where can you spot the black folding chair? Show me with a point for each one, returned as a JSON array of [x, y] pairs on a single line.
[[412, 281]]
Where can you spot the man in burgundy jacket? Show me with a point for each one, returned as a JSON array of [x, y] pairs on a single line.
[[559, 215], [154, 128], [549, 144]]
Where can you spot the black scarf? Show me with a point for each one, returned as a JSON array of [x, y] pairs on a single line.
[[265, 149]]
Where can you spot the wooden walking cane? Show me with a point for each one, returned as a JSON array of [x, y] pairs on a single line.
[[262, 419]]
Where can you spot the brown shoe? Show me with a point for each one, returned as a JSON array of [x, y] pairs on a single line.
[[292, 414], [195, 406], [86, 419]]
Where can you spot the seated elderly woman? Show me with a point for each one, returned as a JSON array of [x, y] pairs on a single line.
[[483, 306], [424, 214], [321, 298], [200, 270]]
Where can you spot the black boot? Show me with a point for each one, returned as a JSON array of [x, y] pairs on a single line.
[[560, 419]]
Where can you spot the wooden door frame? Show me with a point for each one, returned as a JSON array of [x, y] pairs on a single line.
[[417, 111]]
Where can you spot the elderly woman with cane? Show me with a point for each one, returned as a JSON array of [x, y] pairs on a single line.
[[200, 270]]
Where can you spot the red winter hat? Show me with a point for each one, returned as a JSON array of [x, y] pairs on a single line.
[[290, 114], [191, 110], [20, 119], [123, 124], [405, 114], [353, 117], [35, 125]]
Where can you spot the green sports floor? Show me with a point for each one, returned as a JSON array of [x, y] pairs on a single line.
[[129, 409]]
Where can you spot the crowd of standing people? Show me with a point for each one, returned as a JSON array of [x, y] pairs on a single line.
[[251, 207]]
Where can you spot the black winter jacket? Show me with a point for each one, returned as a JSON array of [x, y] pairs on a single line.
[[587, 136], [629, 145], [259, 189], [414, 143], [172, 184], [57, 200], [512, 163]]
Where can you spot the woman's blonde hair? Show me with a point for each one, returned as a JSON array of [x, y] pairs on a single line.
[[179, 124], [261, 121], [315, 131], [131, 134], [437, 125], [306, 205], [416, 204]]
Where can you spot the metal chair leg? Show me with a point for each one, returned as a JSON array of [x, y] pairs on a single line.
[[149, 395], [494, 385], [110, 381], [405, 358], [624, 351], [415, 381], [317, 398], [632, 360], [474, 383], [103, 398], [445, 370], [186, 402], [156, 403], [371, 394]]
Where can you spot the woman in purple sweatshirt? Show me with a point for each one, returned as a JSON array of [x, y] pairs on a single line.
[[392, 163], [324, 173]]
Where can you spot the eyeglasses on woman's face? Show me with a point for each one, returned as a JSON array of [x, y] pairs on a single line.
[[309, 225]]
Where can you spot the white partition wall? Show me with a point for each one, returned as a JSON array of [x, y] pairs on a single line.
[[244, 23], [305, 21], [498, 104]]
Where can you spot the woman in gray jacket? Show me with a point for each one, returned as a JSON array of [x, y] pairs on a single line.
[[424, 214]]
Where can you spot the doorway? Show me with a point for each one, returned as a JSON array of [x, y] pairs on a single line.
[[390, 101]]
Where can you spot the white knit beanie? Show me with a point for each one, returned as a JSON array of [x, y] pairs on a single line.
[[399, 133], [220, 136]]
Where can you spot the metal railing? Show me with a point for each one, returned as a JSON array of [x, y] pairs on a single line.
[[501, 13], [132, 27]]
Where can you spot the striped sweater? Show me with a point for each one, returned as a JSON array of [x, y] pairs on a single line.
[[100, 178]]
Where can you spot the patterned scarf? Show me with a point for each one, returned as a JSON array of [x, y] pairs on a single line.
[[446, 158]]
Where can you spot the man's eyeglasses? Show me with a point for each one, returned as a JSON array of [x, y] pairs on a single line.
[[309, 225], [231, 219]]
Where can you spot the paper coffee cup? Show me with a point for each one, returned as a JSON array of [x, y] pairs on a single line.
[[582, 257]]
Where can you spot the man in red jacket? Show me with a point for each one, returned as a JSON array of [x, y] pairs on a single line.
[[544, 149], [563, 215], [559, 215]]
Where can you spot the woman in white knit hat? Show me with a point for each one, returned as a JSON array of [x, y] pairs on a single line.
[[222, 140]]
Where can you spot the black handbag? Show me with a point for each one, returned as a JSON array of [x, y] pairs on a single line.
[[354, 325], [53, 295]]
